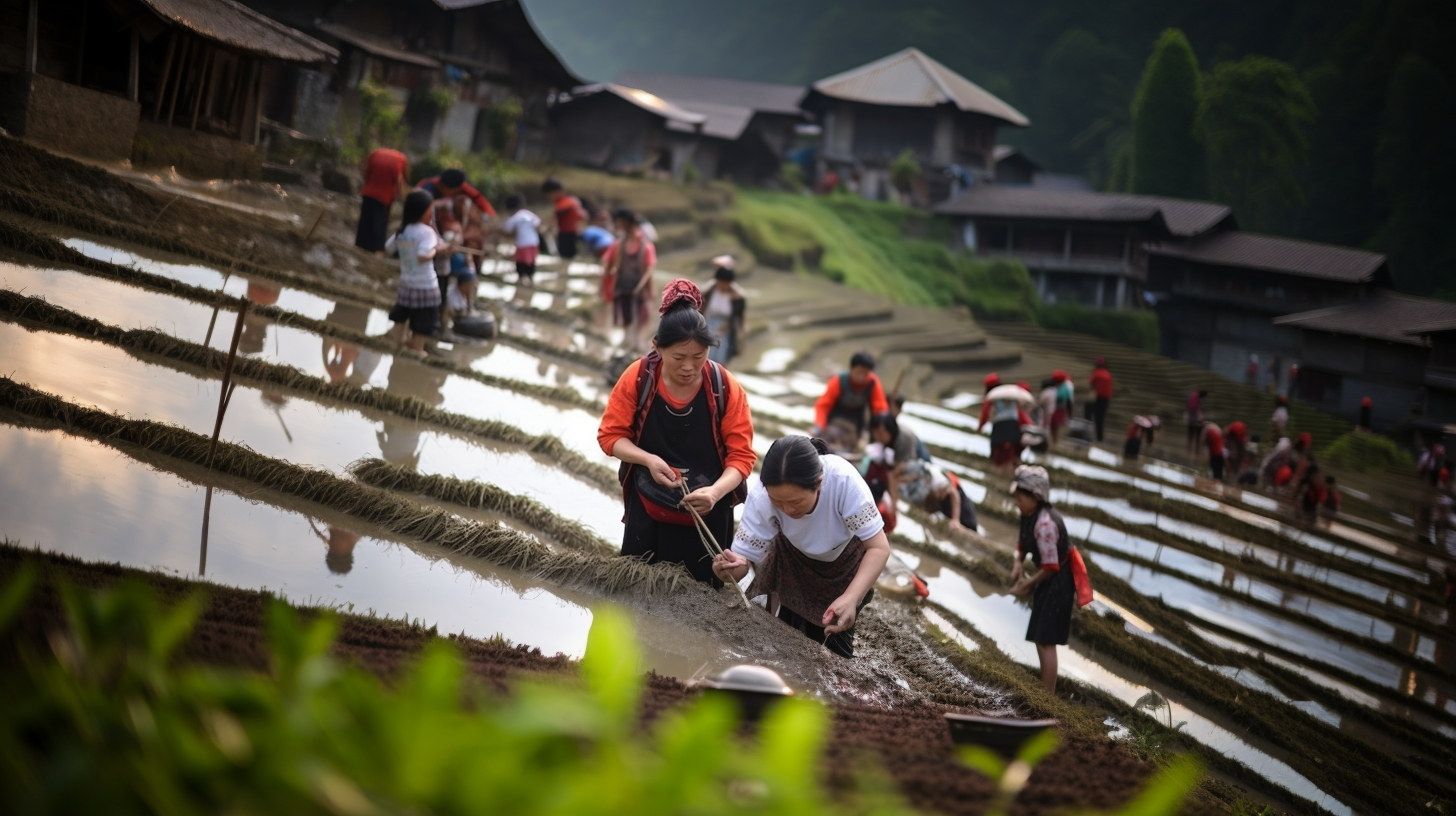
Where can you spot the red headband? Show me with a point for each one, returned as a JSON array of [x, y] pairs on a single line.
[[680, 290]]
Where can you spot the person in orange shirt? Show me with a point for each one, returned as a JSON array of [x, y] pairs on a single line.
[[571, 217], [851, 397], [1101, 382], [675, 416]]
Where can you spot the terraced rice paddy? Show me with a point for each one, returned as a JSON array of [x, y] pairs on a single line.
[[1275, 644]]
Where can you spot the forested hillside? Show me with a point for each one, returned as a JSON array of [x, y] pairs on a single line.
[[1357, 106]]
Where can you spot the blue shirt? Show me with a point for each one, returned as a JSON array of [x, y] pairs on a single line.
[[598, 238]]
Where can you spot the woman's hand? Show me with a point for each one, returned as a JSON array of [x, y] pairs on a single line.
[[662, 473], [1019, 589], [840, 615], [954, 525], [703, 500], [1016, 573], [729, 566]]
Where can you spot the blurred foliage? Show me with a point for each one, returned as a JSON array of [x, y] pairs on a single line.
[[792, 176], [1134, 327], [1253, 116], [904, 170], [381, 124], [1365, 452], [485, 170], [109, 721], [501, 121], [1381, 74], [1167, 148]]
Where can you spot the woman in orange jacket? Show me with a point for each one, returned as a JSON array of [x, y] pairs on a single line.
[[676, 416]]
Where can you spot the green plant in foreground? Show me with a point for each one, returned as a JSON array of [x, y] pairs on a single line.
[[1155, 738], [1163, 795], [106, 718], [108, 722]]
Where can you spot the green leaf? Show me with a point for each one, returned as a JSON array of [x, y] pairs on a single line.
[[1038, 747], [980, 758], [1164, 795], [610, 664], [15, 594]]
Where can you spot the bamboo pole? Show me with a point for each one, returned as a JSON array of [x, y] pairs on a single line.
[[32, 36], [224, 397], [81, 45], [166, 74], [134, 69]]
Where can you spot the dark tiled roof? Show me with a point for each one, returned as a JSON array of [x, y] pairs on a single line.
[[1433, 326], [378, 46], [642, 99], [910, 78], [1267, 252], [1384, 315], [766, 97], [239, 28], [1182, 218]]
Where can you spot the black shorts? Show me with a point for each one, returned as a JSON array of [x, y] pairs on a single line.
[[525, 270], [373, 225], [423, 320], [566, 245]]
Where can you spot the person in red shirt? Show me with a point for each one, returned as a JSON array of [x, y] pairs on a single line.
[[571, 217], [1237, 435], [851, 396], [384, 182], [1101, 382], [1213, 438]]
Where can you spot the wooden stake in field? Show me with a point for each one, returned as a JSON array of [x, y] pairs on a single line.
[[224, 397]]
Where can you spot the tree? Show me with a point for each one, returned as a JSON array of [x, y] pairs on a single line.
[[1167, 153], [1415, 174], [1252, 119], [1081, 105]]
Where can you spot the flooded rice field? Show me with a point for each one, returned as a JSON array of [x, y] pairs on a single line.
[[85, 500], [1357, 615]]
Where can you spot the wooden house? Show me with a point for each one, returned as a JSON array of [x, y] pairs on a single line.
[[752, 123], [1398, 350], [628, 130], [496, 73], [907, 101], [1080, 247], [159, 82], [1218, 294]]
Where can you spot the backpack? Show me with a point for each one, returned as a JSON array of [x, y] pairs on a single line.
[[647, 377]]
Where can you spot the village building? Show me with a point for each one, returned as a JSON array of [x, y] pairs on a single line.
[[1218, 294], [628, 130], [907, 101], [467, 75], [1079, 247], [1398, 350], [753, 122], [157, 82]]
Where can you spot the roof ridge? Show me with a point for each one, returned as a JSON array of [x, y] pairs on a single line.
[[929, 65]]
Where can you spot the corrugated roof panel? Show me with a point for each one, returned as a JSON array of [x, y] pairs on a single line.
[[910, 78]]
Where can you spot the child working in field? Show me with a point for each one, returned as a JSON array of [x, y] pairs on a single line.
[[417, 300], [1060, 580], [522, 225]]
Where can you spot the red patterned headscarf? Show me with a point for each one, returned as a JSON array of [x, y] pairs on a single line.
[[680, 290]]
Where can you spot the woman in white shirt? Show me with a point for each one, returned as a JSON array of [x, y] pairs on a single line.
[[815, 539], [523, 227], [723, 306]]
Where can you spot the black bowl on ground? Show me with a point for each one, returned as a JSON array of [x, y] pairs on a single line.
[[753, 688], [1004, 735], [480, 324]]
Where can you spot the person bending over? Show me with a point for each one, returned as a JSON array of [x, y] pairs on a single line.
[[850, 398], [815, 539]]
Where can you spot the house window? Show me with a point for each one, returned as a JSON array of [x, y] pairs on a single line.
[[1443, 352], [993, 237], [1097, 245], [1040, 241]]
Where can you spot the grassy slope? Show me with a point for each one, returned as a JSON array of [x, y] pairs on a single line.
[[903, 254]]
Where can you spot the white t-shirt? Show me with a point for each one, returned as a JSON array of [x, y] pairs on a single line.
[[720, 302], [846, 510], [415, 240], [523, 224]]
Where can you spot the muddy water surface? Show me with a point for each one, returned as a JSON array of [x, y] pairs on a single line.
[[73, 496], [286, 428], [1002, 619]]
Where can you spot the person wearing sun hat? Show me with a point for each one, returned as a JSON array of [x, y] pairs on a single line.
[[724, 307], [1060, 579]]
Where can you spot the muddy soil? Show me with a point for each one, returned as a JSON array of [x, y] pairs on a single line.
[[910, 741]]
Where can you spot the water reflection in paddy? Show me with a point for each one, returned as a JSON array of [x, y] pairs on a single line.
[[130, 307], [295, 430]]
